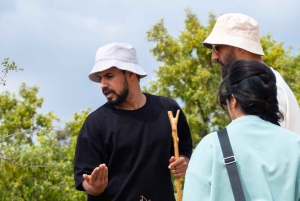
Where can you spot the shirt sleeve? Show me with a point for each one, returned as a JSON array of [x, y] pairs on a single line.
[[288, 105], [282, 104], [89, 152], [197, 184], [184, 135]]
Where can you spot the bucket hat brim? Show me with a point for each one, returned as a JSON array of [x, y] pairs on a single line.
[[216, 38], [237, 30], [106, 64]]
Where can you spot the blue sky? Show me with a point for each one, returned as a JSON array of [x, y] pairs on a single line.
[[56, 41]]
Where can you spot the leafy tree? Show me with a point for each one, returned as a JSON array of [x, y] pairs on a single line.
[[7, 67], [188, 75], [36, 161], [283, 61]]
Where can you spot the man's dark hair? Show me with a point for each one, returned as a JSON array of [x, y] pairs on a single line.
[[253, 85]]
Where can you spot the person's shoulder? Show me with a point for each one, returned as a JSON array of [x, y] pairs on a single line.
[[288, 134], [211, 136], [162, 99], [292, 140], [207, 143], [209, 139], [284, 136], [279, 78], [100, 113]]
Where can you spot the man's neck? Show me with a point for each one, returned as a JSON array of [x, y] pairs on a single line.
[[133, 102], [250, 56]]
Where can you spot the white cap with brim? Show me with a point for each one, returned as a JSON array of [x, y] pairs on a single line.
[[236, 30], [119, 55]]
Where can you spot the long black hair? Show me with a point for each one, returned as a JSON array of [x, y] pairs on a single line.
[[253, 85]]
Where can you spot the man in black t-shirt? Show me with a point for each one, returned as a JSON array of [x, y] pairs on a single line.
[[124, 150]]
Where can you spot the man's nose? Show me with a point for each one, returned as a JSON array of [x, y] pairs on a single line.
[[214, 56], [103, 84]]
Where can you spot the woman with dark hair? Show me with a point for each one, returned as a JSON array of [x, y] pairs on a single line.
[[267, 156]]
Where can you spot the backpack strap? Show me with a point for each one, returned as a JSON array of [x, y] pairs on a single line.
[[230, 164]]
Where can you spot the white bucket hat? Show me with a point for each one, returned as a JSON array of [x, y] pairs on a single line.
[[120, 55], [236, 30]]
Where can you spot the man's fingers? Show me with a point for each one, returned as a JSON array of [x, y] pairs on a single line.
[[179, 162], [95, 174], [171, 162], [86, 177], [179, 167], [179, 175], [178, 172], [172, 159], [103, 172], [97, 181]]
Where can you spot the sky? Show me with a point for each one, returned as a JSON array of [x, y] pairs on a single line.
[[55, 41]]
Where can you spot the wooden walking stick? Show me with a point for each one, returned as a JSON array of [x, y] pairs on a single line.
[[174, 122]]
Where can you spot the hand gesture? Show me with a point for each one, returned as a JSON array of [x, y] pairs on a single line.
[[96, 183]]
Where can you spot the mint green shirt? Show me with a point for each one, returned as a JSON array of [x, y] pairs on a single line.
[[268, 161]]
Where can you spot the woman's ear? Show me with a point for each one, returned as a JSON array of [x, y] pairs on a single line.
[[233, 102]]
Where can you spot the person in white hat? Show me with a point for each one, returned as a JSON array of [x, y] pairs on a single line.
[[236, 36], [124, 150]]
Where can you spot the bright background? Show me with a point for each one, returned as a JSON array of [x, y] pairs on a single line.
[[55, 41]]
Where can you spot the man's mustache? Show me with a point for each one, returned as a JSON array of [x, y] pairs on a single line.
[[224, 69], [107, 90], [221, 64]]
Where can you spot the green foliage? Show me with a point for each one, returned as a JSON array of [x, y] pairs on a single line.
[[281, 59], [7, 67], [36, 161], [188, 75]]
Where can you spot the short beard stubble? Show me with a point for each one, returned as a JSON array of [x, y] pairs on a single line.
[[228, 60], [120, 97]]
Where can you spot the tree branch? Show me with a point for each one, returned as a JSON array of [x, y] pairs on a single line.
[[205, 119], [22, 165], [8, 67], [29, 132]]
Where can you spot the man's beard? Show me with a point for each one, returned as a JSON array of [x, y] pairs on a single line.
[[228, 60], [120, 97]]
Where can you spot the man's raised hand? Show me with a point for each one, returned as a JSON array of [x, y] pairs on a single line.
[[96, 183]]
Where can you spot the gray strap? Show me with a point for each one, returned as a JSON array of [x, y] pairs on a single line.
[[230, 164]]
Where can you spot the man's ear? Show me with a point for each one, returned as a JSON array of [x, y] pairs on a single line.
[[131, 75], [241, 51]]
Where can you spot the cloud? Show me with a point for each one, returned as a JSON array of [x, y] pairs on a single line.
[[112, 29], [47, 22], [55, 41], [91, 23]]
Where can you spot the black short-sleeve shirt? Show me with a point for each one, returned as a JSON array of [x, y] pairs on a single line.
[[136, 146]]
